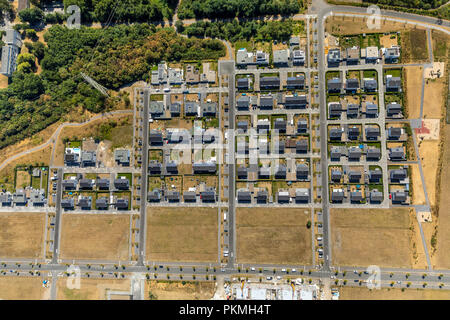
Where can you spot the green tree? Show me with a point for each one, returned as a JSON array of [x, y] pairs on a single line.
[[33, 16]]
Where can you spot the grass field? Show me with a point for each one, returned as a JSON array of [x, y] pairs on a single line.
[[22, 288], [440, 44], [182, 234], [443, 236], [178, 290], [102, 236], [366, 238], [348, 293], [21, 234], [265, 235], [90, 289], [414, 46]]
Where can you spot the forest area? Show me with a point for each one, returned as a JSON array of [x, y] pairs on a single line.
[[114, 57]]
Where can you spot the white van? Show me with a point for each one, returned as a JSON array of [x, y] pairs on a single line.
[[224, 216]]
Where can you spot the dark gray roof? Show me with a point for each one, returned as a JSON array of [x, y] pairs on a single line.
[[352, 84], [189, 196], [376, 196], [103, 183], [334, 84], [373, 153], [370, 84], [393, 83], [101, 203], [121, 183], [122, 203], [356, 196]]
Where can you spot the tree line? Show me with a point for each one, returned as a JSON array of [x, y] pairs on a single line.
[[189, 9], [241, 30]]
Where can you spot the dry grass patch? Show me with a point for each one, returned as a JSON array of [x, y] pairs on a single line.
[[22, 288], [21, 234], [434, 98], [265, 235], [178, 290], [35, 158], [182, 234], [418, 196], [339, 25], [362, 238], [428, 148], [88, 236], [348, 293], [443, 236], [91, 289], [413, 80]]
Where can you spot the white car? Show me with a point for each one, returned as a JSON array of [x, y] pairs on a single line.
[[294, 270], [283, 270], [253, 269], [278, 278]]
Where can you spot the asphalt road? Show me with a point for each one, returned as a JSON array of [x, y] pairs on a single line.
[[323, 144], [57, 217], [231, 173], [143, 208]]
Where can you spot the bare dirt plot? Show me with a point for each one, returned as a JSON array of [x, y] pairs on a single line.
[[22, 288], [22, 234], [388, 40], [418, 196], [177, 290], [443, 220], [347, 293], [3, 81], [366, 238], [427, 149], [434, 98], [85, 236], [413, 80], [265, 235], [182, 234], [90, 289]]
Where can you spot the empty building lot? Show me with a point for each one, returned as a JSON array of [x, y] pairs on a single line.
[[93, 289], [383, 237], [392, 294], [179, 290], [267, 235], [22, 234], [85, 236], [23, 288], [182, 234]]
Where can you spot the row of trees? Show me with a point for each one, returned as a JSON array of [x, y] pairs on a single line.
[[112, 56], [419, 4], [241, 30], [236, 8]]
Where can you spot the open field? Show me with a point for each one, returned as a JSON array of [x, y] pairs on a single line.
[[366, 238], [434, 98], [22, 234], [413, 80], [347, 293], [36, 158], [443, 236], [91, 289], [265, 235], [352, 25], [178, 290], [440, 45], [182, 234], [414, 46], [427, 148], [104, 236], [23, 288]]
